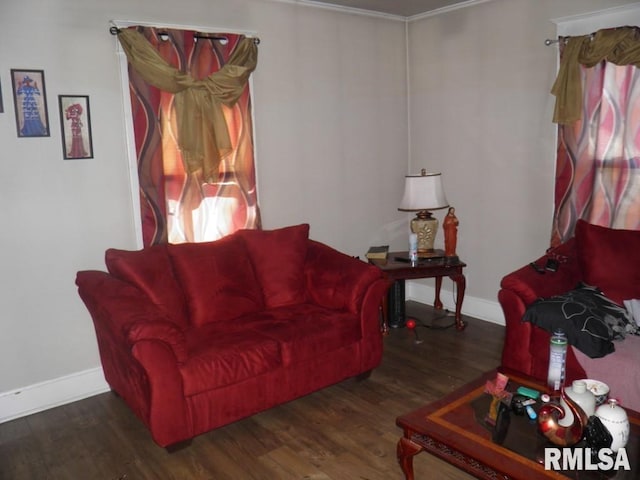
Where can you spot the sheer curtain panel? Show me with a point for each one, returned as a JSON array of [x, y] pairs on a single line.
[[598, 111], [191, 107]]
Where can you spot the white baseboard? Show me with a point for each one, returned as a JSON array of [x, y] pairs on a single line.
[[52, 393], [472, 306], [70, 388]]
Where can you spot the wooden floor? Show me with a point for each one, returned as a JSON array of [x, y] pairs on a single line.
[[344, 432]]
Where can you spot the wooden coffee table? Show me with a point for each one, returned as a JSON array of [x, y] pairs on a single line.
[[452, 429]]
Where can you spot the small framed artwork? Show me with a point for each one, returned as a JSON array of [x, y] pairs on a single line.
[[75, 125], [30, 101]]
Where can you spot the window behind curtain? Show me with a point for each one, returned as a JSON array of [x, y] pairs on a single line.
[[176, 207], [598, 163]]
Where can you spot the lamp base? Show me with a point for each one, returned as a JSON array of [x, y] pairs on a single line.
[[435, 253], [425, 227]]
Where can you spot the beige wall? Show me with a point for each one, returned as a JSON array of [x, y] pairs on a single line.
[[332, 125], [480, 112]]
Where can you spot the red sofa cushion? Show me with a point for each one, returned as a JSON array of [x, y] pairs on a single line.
[[217, 279], [150, 270], [278, 258], [609, 259], [307, 331], [220, 357]]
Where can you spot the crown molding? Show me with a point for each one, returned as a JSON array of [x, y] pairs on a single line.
[[621, 9], [343, 9], [440, 11], [587, 23], [371, 13]]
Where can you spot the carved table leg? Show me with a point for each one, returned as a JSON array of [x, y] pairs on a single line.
[[437, 304], [461, 284], [406, 451], [384, 316]]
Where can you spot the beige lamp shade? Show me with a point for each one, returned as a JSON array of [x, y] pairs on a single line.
[[422, 193]]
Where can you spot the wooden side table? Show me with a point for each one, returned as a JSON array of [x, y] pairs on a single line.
[[399, 270]]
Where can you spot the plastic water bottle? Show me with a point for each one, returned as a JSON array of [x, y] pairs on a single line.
[[557, 361], [413, 249]]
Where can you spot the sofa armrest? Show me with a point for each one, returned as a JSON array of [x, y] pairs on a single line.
[[519, 289], [336, 280], [167, 416], [372, 306], [140, 350], [126, 312], [530, 285], [161, 331]]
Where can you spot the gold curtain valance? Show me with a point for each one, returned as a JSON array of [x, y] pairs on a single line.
[[620, 46], [203, 136]]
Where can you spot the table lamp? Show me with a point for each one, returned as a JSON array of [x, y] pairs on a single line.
[[423, 193]]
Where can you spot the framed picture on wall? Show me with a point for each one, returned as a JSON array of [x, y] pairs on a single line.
[[30, 101], [75, 125], [1, 102]]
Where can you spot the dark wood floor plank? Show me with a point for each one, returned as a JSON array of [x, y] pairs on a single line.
[[291, 464], [345, 431], [18, 449]]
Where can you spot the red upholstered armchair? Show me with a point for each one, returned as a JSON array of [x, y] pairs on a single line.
[[195, 336], [606, 258], [526, 346]]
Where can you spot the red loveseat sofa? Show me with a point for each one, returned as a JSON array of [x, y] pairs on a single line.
[[196, 336], [602, 257]]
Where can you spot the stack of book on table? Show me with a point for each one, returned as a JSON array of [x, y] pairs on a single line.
[[378, 253]]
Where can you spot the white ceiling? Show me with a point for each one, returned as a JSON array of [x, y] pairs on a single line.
[[405, 8]]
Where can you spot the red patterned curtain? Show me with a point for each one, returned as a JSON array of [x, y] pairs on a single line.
[[177, 207], [598, 157]]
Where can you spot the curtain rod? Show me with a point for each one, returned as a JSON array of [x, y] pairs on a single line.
[[113, 30], [550, 41], [592, 35]]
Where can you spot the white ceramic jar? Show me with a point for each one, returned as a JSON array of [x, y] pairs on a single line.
[[615, 419], [584, 398]]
